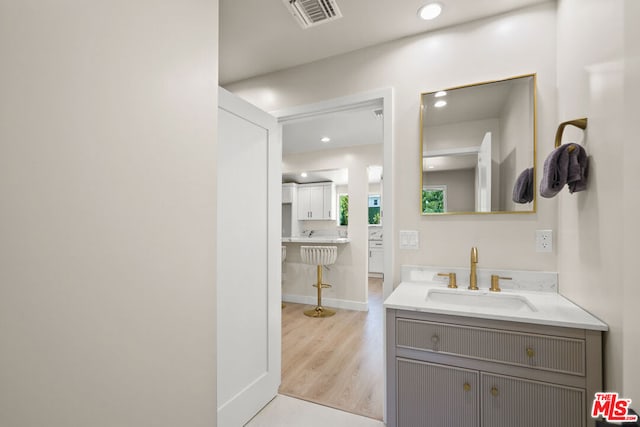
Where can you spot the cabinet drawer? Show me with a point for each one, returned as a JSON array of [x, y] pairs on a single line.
[[545, 352]]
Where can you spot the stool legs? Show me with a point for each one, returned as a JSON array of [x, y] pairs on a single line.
[[319, 310]]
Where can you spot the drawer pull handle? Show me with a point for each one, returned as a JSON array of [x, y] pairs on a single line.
[[435, 339], [494, 391], [466, 387], [530, 352]]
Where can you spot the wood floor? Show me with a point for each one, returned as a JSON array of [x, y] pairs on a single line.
[[336, 361]]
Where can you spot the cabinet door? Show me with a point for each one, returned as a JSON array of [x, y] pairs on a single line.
[[376, 260], [303, 203], [436, 395], [329, 201], [287, 193], [509, 401], [316, 202]]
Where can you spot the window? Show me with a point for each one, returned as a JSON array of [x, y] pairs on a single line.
[[343, 209], [434, 199], [374, 209]]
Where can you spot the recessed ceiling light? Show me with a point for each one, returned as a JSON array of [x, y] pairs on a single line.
[[303, 174], [431, 167], [430, 11], [440, 104], [325, 139], [441, 93]]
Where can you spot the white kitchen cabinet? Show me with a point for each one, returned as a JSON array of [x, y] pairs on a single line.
[[288, 191], [329, 201], [316, 201], [376, 256]]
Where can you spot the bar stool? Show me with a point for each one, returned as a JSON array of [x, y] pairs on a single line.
[[284, 256], [319, 256]]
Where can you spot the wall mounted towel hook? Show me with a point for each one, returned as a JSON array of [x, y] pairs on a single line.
[[579, 123]]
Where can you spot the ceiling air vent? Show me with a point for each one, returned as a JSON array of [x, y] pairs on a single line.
[[309, 13]]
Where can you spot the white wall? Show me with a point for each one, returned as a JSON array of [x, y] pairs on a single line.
[[508, 45], [375, 188], [516, 152], [631, 203], [107, 181], [591, 229], [349, 275], [461, 194]]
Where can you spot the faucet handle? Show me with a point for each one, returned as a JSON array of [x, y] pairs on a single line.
[[452, 279], [495, 282]]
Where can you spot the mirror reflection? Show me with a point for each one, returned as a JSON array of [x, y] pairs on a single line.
[[478, 148]]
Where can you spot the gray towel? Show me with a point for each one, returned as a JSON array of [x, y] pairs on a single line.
[[578, 170], [523, 188], [562, 167]]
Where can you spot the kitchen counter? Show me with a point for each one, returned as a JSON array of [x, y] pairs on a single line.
[[550, 308], [318, 239]]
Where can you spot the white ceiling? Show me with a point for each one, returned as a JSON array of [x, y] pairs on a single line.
[[338, 176], [357, 126], [260, 36], [467, 104], [449, 163]]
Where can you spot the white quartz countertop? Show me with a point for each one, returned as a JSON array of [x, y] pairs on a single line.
[[550, 308], [318, 239]]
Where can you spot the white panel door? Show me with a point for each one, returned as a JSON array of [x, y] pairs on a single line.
[[248, 260]]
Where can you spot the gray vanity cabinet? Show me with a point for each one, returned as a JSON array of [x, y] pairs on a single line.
[[438, 395], [447, 370], [509, 401]]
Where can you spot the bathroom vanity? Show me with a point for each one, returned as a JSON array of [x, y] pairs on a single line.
[[519, 357]]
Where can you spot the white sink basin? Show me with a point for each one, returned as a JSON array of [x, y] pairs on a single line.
[[496, 302]]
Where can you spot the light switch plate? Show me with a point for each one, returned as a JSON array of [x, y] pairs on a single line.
[[409, 239]]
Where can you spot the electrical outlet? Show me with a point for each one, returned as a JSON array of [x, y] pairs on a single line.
[[544, 240]]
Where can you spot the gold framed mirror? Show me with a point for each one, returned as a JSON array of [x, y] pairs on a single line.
[[478, 148]]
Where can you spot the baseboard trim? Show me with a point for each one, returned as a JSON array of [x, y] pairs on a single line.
[[328, 302]]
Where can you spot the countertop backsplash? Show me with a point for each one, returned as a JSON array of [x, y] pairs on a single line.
[[540, 281]]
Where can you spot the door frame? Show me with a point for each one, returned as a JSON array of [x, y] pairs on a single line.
[[346, 103]]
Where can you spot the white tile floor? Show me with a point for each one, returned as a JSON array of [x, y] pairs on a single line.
[[284, 411]]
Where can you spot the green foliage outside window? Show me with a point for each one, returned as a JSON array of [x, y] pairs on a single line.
[[344, 209], [432, 201], [374, 215]]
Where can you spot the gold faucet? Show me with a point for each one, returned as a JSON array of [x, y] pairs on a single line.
[[452, 279], [473, 277], [495, 282]]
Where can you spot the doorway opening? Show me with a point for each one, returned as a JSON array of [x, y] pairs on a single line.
[[338, 361], [383, 99]]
